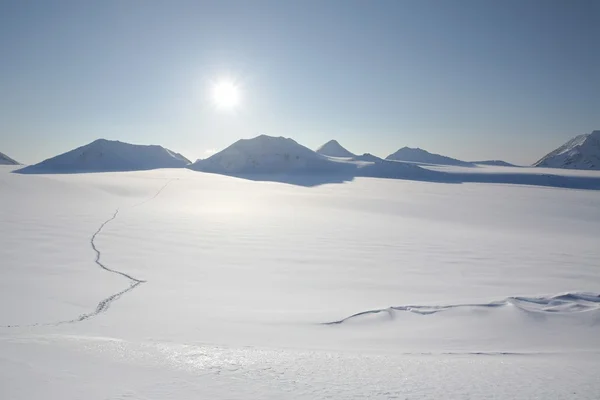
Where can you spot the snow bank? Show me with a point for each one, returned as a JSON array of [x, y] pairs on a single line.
[[569, 302]]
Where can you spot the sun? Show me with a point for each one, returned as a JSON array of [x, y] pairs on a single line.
[[225, 94]]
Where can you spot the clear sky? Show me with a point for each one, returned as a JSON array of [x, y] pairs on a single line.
[[470, 79]]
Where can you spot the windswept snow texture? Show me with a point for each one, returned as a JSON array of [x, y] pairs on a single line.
[[6, 160], [420, 156], [564, 303], [494, 163], [581, 152], [109, 156], [334, 149], [375, 288]]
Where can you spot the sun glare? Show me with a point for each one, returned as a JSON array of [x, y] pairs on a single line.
[[225, 94]]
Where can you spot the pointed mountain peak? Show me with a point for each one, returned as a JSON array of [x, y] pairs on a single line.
[[581, 152], [334, 149], [6, 160]]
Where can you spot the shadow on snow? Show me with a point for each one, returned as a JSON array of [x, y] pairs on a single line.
[[526, 179]]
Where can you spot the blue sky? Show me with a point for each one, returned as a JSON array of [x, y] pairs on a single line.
[[469, 79]]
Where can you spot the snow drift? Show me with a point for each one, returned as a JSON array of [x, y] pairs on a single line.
[[6, 160], [581, 152], [109, 156], [420, 156], [334, 149], [564, 303]]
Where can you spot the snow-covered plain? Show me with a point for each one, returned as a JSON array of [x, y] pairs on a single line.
[[371, 288]]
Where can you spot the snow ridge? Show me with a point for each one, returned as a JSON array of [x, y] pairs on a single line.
[[563, 303]]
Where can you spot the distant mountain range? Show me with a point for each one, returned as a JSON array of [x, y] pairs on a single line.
[[270, 158], [496, 163], [581, 152], [108, 156], [407, 154], [420, 156], [278, 155], [6, 160]]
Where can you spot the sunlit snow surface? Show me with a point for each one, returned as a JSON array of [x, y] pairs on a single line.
[[372, 288]]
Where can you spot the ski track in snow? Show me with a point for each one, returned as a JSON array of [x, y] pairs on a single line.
[[97, 260], [569, 302], [153, 197], [105, 303]]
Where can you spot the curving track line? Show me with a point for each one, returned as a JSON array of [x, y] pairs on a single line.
[[97, 260], [105, 303]]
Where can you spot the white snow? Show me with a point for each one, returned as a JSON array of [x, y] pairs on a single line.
[[471, 290], [109, 155], [6, 160], [581, 152], [334, 149], [420, 156]]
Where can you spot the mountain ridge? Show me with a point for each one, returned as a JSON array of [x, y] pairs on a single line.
[[6, 160], [104, 155], [580, 152], [420, 156]]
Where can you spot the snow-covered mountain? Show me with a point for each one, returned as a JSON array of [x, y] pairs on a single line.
[[334, 149], [420, 156], [581, 152], [367, 157], [267, 154], [108, 156], [495, 163], [274, 158], [6, 160]]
